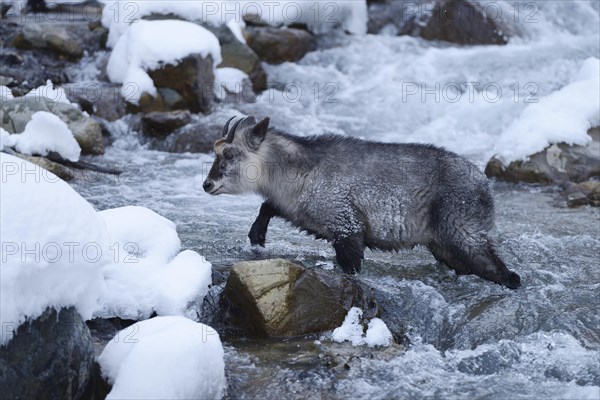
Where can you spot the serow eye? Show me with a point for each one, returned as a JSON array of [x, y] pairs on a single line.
[[228, 156]]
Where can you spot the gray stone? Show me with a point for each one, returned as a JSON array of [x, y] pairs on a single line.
[[101, 99], [50, 36], [577, 199], [162, 124], [557, 163], [51, 357], [280, 298], [16, 113], [276, 45], [197, 137]]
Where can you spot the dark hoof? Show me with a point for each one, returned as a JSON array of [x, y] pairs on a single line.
[[513, 281], [257, 238]]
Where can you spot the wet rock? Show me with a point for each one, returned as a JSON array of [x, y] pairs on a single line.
[[16, 113], [557, 163], [50, 357], [197, 137], [161, 124], [101, 99], [192, 79], [64, 173], [577, 199], [455, 21], [594, 197], [280, 298], [388, 17], [49, 36], [239, 55], [276, 45]]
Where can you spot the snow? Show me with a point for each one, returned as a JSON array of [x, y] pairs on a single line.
[[147, 274], [377, 333], [563, 116], [5, 93], [45, 132], [146, 45], [57, 251], [48, 91], [229, 80], [165, 358], [320, 15], [236, 29], [51, 245]]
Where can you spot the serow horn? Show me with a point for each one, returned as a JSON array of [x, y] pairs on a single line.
[[226, 127], [231, 133]]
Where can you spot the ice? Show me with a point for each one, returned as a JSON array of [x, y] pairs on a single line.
[[45, 132], [52, 242], [147, 45], [165, 358], [147, 274], [48, 91], [377, 333]]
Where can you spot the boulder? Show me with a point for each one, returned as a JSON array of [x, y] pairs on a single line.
[[162, 124], [64, 173], [197, 137], [16, 113], [101, 99], [556, 164], [238, 55], [51, 357], [50, 36], [455, 21], [190, 83], [280, 298], [278, 45], [581, 194]]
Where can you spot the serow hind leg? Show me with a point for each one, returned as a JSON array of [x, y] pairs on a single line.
[[349, 252], [258, 231]]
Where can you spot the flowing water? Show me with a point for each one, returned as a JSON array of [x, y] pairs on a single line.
[[468, 338]]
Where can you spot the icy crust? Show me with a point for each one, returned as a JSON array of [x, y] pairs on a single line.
[[45, 132], [52, 241], [320, 15], [165, 358], [146, 45], [57, 251], [563, 116]]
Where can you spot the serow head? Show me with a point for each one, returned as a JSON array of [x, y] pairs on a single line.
[[239, 163]]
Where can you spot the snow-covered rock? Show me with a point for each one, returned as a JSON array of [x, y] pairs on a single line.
[[147, 273], [165, 358], [564, 116], [352, 330], [52, 245], [43, 134], [5, 93], [48, 91], [57, 251], [149, 45]]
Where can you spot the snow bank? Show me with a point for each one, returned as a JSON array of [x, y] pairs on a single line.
[[563, 116], [147, 274], [165, 358], [48, 91], [52, 242], [351, 330], [45, 132], [146, 45]]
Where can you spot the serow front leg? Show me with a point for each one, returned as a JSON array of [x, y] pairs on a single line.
[[349, 252], [258, 231]]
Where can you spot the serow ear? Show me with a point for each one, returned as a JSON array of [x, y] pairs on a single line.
[[257, 133]]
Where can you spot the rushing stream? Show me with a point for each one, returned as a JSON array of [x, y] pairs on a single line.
[[468, 338]]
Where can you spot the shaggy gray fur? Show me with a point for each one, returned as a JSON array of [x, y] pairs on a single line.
[[357, 193]]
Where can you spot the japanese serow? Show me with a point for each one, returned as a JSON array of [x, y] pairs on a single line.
[[358, 193]]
